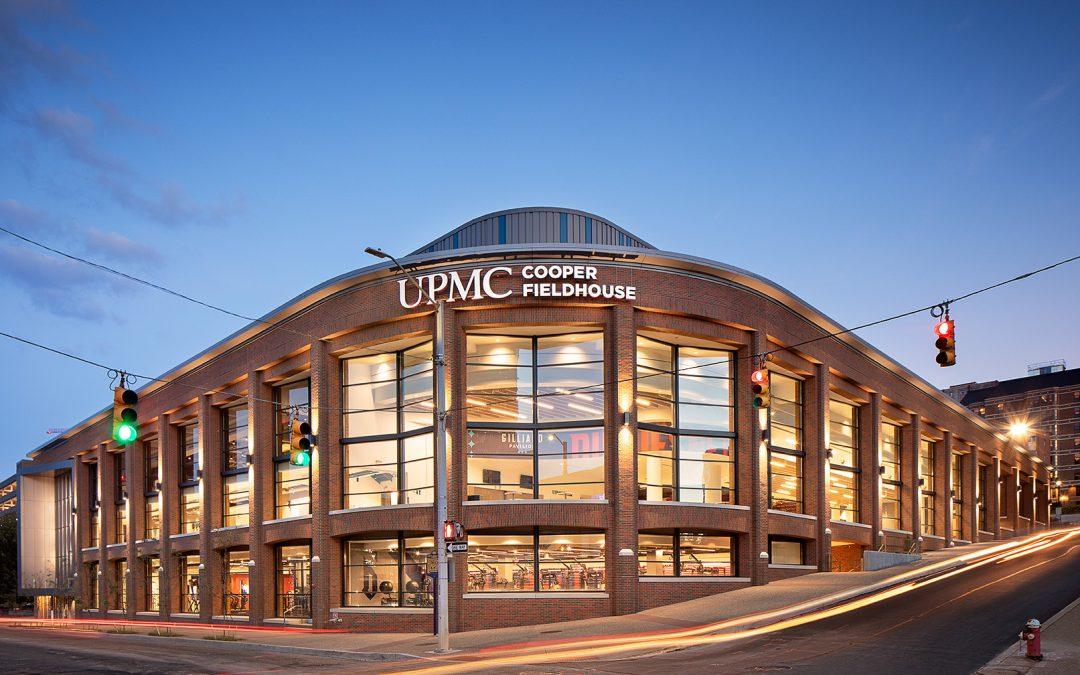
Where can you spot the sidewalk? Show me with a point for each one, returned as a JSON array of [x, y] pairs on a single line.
[[1060, 648], [817, 590]]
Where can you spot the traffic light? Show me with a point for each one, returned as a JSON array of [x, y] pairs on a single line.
[[946, 342], [759, 385], [301, 441], [453, 531], [125, 418]]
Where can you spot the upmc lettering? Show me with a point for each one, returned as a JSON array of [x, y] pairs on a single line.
[[573, 281]]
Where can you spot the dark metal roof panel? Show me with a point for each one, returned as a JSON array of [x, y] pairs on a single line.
[[534, 225]]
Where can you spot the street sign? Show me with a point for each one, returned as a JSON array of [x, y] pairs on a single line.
[[457, 547]]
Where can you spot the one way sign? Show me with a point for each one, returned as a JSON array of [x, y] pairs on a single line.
[[457, 547]]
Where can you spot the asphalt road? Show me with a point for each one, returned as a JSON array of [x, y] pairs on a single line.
[[28, 650], [953, 626]]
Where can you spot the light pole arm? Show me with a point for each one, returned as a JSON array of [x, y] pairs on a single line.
[[379, 253]]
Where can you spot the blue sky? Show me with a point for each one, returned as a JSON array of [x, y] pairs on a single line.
[[872, 159]]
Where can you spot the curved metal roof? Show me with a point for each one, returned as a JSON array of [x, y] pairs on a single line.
[[534, 225]]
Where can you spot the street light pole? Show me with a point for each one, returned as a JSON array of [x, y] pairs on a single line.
[[442, 629]]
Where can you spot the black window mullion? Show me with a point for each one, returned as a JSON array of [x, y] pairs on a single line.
[[536, 558], [399, 416], [401, 569], [536, 438], [676, 477], [676, 556]]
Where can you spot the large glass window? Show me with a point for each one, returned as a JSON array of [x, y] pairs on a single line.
[[982, 485], [844, 461], [92, 585], [956, 479], [292, 484], [234, 466], [928, 490], [189, 584], [190, 495], [535, 417], [784, 551], [890, 476], [95, 528], [294, 581], [785, 444], [685, 423], [236, 589], [151, 471], [153, 518], [120, 474], [152, 583], [389, 446], [388, 572], [684, 553], [120, 532], [190, 509], [536, 560]]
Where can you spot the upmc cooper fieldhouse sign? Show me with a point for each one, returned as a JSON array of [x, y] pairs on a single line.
[[540, 281]]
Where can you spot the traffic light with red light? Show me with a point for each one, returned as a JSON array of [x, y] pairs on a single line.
[[946, 342], [759, 385], [301, 441], [125, 428]]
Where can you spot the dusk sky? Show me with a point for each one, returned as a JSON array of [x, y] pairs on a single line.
[[870, 159]]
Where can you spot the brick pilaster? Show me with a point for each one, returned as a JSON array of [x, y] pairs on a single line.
[[910, 515], [622, 476], [870, 464], [759, 472], [211, 575], [82, 527], [133, 469], [261, 485], [169, 588], [107, 515], [321, 458], [817, 463]]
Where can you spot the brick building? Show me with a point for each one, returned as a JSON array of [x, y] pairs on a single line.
[[1046, 401], [604, 454]]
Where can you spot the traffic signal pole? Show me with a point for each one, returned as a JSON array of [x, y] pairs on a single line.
[[442, 608]]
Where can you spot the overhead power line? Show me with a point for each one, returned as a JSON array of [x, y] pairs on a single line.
[[592, 387]]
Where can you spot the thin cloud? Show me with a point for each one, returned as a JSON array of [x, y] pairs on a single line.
[[1049, 96], [21, 216], [58, 286], [21, 55], [115, 247], [75, 134]]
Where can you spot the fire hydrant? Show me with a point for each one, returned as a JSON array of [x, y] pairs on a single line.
[[1032, 637]]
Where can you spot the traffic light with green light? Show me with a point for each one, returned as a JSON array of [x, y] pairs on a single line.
[[301, 441], [125, 416]]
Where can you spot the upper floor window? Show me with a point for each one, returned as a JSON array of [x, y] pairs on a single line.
[[535, 413], [843, 461], [891, 495], [388, 418], [685, 415], [234, 438], [292, 484], [151, 462], [189, 453], [120, 473], [785, 444]]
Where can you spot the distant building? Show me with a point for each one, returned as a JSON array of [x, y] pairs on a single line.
[[1048, 400], [9, 495]]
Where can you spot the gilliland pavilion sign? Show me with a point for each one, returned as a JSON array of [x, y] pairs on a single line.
[[541, 281]]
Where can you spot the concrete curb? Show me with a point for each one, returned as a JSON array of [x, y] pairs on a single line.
[[1014, 648]]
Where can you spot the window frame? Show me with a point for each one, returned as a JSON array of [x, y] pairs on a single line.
[[799, 454], [400, 536], [535, 562], [788, 540], [535, 427], [928, 497], [956, 495], [677, 431], [281, 435], [898, 481], [676, 552], [398, 437], [855, 468]]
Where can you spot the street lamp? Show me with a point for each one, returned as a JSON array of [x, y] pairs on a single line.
[[1019, 430], [442, 629]]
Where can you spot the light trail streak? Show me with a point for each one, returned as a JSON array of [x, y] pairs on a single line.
[[707, 634]]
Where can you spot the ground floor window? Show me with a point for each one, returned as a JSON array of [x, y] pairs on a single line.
[[844, 494], [236, 587], [119, 585], [536, 559], [388, 572], [92, 582], [189, 584], [685, 553], [190, 509], [982, 487], [784, 551], [294, 581], [292, 489], [151, 583], [890, 505], [153, 518], [928, 513], [785, 480], [235, 500]]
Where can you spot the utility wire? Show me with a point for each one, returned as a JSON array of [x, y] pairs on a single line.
[[593, 387], [163, 289]]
